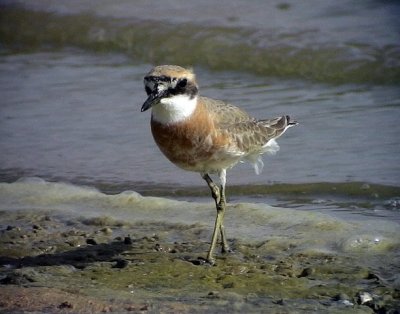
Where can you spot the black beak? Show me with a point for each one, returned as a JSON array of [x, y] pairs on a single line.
[[149, 102], [152, 99]]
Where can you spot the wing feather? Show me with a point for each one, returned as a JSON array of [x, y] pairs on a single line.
[[251, 137], [224, 113]]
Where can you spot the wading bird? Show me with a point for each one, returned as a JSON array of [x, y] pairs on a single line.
[[206, 135]]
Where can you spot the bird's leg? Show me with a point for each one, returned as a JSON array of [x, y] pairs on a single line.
[[213, 187], [221, 207], [215, 193], [219, 196]]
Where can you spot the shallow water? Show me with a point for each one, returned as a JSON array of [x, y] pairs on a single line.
[[306, 230], [345, 42], [71, 86], [73, 114], [313, 229], [76, 116]]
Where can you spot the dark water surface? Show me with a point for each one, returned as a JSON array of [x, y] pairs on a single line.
[[74, 114]]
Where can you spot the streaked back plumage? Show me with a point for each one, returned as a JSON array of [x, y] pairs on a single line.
[[252, 137]]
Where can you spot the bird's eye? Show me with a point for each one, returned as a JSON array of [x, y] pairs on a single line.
[[148, 90], [182, 83]]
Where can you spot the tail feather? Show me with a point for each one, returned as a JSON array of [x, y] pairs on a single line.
[[277, 126], [290, 122], [282, 122], [270, 130]]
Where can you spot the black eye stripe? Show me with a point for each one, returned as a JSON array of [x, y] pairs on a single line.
[[182, 83], [176, 86], [162, 78]]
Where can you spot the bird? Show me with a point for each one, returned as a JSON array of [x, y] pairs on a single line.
[[206, 135]]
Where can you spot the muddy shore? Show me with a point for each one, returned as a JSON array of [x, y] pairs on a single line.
[[70, 264]]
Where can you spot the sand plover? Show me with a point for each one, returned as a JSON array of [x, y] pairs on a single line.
[[206, 135]]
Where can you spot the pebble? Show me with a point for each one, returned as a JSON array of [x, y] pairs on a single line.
[[73, 242], [91, 241], [229, 285], [36, 227], [364, 297], [279, 302], [107, 230], [344, 299], [341, 296], [365, 186], [66, 305], [121, 263], [347, 303], [213, 295], [10, 228], [128, 240], [307, 272], [158, 248]]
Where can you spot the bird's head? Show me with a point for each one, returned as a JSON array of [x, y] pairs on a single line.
[[166, 84]]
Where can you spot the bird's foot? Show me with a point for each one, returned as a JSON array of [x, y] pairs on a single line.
[[201, 261], [210, 261], [226, 249]]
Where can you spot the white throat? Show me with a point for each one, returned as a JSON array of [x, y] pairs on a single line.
[[174, 109]]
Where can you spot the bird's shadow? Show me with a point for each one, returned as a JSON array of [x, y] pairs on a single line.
[[79, 257]]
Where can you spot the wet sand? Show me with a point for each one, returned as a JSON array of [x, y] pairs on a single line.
[[69, 264]]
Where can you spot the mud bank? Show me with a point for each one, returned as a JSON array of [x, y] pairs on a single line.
[[72, 264]]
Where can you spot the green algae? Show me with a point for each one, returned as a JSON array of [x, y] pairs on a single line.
[[139, 262]]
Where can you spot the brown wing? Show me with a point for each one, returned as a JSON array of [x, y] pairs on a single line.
[[224, 113], [251, 136]]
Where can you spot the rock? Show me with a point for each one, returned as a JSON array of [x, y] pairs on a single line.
[[213, 295], [65, 305], [341, 296], [158, 248], [128, 240], [91, 241], [36, 227], [347, 303], [74, 242], [20, 277], [279, 302], [229, 285], [107, 230], [121, 263], [306, 272], [364, 298], [365, 186]]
